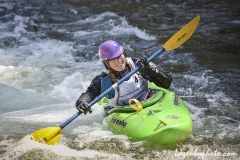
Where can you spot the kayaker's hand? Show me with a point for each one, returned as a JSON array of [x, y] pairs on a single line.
[[142, 62], [83, 107]]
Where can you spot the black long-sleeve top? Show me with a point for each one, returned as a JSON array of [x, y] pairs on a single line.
[[151, 73]]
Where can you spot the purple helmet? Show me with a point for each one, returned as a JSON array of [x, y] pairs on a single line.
[[110, 50]]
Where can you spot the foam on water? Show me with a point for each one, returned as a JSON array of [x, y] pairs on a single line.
[[69, 89], [47, 113], [53, 114], [216, 113], [48, 52], [116, 26], [16, 99], [29, 148]]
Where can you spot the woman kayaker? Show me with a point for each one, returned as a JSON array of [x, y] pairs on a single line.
[[117, 65]]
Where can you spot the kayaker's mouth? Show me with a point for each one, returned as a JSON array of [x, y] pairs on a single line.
[[119, 65]]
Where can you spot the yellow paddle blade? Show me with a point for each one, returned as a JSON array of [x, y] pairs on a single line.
[[182, 35], [49, 135]]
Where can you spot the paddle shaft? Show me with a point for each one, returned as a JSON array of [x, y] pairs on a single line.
[[114, 86]]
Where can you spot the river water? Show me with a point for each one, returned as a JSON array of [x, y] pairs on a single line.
[[48, 56]]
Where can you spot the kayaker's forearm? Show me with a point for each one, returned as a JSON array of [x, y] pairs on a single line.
[[157, 76], [162, 79]]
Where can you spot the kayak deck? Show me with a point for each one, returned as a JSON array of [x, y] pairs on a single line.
[[164, 119]]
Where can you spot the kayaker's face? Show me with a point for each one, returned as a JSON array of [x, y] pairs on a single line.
[[118, 64]]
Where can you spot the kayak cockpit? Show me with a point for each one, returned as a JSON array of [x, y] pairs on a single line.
[[154, 96]]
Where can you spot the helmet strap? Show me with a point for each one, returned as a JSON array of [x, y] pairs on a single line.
[[106, 65], [125, 54]]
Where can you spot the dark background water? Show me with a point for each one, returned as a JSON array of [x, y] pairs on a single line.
[[205, 69]]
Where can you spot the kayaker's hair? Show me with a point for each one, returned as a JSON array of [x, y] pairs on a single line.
[[130, 65], [112, 75]]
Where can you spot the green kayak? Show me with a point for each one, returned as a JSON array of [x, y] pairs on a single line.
[[163, 118]]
